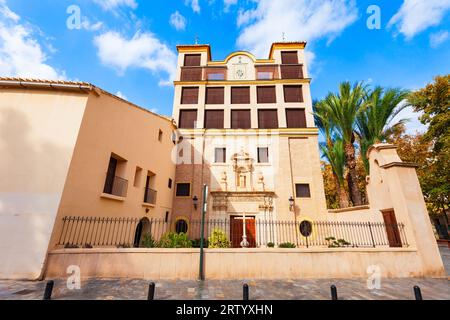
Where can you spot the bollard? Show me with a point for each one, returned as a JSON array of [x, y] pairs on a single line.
[[151, 291], [334, 295], [48, 290], [246, 292], [417, 293]]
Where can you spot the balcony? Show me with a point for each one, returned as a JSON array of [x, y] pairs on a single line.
[[203, 73], [150, 196], [116, 186]]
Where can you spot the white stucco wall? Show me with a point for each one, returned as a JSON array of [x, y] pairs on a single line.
[[38, 132]]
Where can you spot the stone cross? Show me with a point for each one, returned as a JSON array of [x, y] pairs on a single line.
[[244, 243]]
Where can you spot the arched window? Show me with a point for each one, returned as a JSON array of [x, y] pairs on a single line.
[[181, 226]]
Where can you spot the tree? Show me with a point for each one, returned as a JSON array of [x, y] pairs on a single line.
[[434, 102], [375, 121], [335, 156], [343, 108], [333, 151]]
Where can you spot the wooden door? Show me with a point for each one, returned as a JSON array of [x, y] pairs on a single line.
[[392, 231], [236, 231]]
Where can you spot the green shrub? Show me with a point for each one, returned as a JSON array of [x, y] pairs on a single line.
[[271, 245], [147, 241], [196, 243], [286, 245], [175, 240], [339, 243], [218, 239]]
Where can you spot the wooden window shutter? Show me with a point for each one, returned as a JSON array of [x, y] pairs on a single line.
[[241, 119], [289, 57], [293, 94], [291, 71], [192, 60], [187, 119], [240, 95], [268, 119], [266, 94], [214, 119], [296, 118], [215, 95], [189, 95]]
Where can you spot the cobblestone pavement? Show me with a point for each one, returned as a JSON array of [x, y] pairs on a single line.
[[303, 289]]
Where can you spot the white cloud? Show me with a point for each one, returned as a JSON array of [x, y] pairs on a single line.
[[416, 16], [228, 4], [88, 25], [113, 4], [194, 4], [298, 19], [121, 95], [413, 124], [438, 38], [143, 50], [21, 55], [177, 21]]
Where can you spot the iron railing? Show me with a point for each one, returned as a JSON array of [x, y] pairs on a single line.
[[150, 196], [116, 186], [128, 232]]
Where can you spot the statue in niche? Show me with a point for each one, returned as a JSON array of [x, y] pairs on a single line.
[[243, 168]]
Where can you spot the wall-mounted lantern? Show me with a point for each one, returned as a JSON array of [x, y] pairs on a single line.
[[291, 203], [195, 202]]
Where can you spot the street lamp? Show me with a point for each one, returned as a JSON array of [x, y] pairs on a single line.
[[195, 201], [291, 203]]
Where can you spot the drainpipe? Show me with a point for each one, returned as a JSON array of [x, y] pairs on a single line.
[[201, 273]]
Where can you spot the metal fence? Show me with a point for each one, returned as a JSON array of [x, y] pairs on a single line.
[[128, 232]]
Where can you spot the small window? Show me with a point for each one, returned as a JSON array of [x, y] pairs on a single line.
[[167, 217], [137, 177], [263, 155], [302, 190], [170, 184], [220, 155], [181, 226], [183, 190], [160, 135]]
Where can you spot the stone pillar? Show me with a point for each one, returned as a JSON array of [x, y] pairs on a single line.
[[393, 184]]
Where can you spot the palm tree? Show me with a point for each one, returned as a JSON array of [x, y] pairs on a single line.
[[332, 150], [343, 109], [375, 121], [336, 157]]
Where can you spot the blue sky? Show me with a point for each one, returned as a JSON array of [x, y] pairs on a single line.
[[128, 46]]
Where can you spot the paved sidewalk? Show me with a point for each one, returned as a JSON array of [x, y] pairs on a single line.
[[303, 289]]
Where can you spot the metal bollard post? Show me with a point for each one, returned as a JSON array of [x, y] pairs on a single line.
[[334, 295], [48, 290], [151, 291], [246, 292], [417, 293]]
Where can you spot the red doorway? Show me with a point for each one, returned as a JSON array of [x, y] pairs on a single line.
[[236, 231], [392, 231]]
